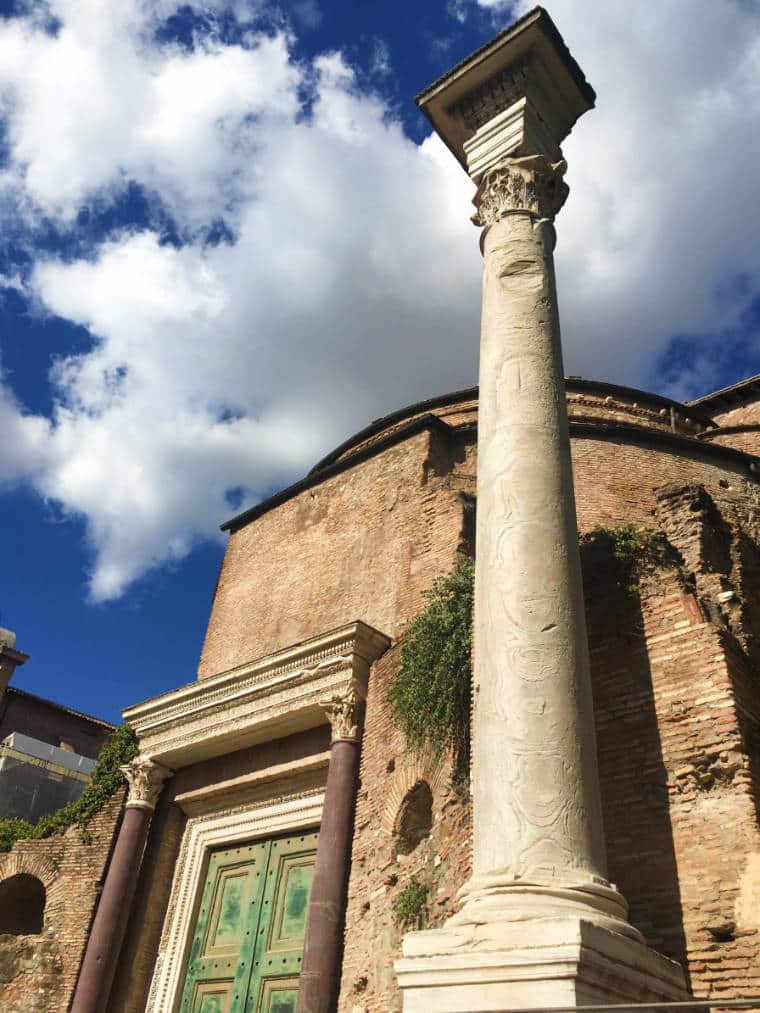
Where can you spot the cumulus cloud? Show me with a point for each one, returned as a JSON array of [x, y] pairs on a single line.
[[100, 101], [218, 370], [663, 173], [349, 280]]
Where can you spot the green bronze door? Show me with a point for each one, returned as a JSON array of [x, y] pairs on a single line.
[[248, 937]]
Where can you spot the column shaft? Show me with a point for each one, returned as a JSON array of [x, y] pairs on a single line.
[[534, 724], [320, 971], [108, 928]]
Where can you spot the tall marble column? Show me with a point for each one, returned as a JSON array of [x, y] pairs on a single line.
[[146, 780], [323, 944], [538, 902], [540, 835]]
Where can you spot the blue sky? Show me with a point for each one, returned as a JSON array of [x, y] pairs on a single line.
[[228, 242]]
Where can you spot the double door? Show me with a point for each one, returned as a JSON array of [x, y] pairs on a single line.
[[248, 937]]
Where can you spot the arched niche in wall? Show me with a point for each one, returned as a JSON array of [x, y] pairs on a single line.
[[22, 905], [415, 817]]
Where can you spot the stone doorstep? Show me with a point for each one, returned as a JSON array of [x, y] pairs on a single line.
[[548, 963]]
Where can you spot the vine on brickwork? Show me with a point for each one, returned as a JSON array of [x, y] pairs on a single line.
[[410, 906], [431, 694], [106, 778], [630, 549]]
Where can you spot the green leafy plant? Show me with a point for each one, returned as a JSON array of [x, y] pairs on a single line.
[[410, 906], [431, 694], [106, 778], [629, 548]]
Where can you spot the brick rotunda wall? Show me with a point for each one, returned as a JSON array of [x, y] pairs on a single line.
[[677, 710], [672, 668], [678, 713], [38, 972], [363, 544]]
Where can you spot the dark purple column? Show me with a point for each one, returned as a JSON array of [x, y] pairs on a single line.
[[320, 971], [109, 925]]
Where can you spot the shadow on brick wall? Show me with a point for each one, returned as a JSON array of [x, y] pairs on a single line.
[[640, 848]]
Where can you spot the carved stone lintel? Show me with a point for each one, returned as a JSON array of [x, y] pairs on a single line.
[[342, 713], [146, 779], [531, 185]]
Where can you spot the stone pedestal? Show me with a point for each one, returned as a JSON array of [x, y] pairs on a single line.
[[558, 962], [539, 924]]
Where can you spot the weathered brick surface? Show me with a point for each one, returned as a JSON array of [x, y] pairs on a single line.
[[31, 970], [43, 969], [361, 545], [676, 707], [746, 438], [678, 711], [379, 871], [747, 412]]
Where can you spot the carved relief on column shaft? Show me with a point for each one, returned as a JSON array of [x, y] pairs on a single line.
[[532, 185], [146, 779], [342, 711]]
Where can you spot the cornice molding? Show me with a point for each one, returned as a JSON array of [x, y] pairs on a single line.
[[266, 699]]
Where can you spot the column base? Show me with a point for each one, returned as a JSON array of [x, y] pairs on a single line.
[[537, 963]]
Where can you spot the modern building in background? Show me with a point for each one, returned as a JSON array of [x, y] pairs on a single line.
[[47, 751]]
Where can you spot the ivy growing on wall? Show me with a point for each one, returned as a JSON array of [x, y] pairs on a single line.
[[629, 549], [431, 694], [106, 778]]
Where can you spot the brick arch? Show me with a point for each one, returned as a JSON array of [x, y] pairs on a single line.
[[44, 869], [18, 863], [410, 773]]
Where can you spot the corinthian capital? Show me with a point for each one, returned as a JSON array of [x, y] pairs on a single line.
[[342, 711], [532, 185], [146, 779]]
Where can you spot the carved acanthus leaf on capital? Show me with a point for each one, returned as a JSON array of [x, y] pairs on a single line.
[[342, 711], [531, 185], [146, 779]]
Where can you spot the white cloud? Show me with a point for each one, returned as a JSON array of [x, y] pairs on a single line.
[[663, 175], [352, 284], [238, 365], [99, 102]]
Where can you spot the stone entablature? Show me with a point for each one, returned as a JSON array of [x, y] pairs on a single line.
[[269, 698]]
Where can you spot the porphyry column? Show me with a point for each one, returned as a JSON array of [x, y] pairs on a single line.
[[320, 971], [146, 779], [539, 877]]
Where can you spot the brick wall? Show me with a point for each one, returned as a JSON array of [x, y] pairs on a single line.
[[361, 545], [380, 870], [746, 438], [742, 414], [677, 708], [39, 972]]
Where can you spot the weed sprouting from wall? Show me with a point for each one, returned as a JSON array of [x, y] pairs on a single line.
[[410, 906]]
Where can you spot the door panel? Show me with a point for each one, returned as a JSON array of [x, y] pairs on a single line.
[[248, 939]]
